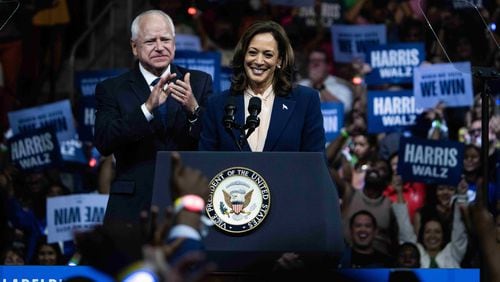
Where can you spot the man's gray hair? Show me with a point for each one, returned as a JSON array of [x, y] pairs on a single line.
[[134, 28]]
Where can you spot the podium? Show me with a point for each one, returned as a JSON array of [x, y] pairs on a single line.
[[303, 214]]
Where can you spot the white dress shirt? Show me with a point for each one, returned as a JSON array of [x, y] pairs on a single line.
[[257, 139]]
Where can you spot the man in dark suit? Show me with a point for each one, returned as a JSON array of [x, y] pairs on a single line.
[[155, 106]]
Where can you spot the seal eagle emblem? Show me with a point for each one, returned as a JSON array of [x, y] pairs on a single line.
[[239, 200]]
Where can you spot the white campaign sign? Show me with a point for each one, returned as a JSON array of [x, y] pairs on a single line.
[[67, 214]]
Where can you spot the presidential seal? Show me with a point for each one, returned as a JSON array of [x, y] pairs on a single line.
[[239, 200]]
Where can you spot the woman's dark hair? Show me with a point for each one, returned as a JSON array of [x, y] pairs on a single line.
[[282, 83], [421, 231]]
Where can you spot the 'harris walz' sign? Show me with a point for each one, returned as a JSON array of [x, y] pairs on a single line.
[[430, 161], [35, 150], [391, 110], [394, 63]]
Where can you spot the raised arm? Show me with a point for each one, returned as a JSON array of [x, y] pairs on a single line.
[[406, 231]]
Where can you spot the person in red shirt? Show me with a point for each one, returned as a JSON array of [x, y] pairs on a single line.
[[413, 192]]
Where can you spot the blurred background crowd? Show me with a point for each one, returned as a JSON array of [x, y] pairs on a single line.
[[38, 58]]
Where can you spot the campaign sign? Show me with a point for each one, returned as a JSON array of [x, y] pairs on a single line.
[[330, 13], [333, 119], [430, 161], [393, 63], [187, 42], [35, 150], [448, 83], [391, 110], [56, 115], [72, 151], [350, 41], [209, 62], [225, 78], [85, 81], [52, 273], [86, 118], [79, 212], [469, 4]]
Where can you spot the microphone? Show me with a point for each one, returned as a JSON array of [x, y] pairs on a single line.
[[253, 121], [229, 109]]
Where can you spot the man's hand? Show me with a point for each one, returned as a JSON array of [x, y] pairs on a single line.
[[182, 92], [159, 94]]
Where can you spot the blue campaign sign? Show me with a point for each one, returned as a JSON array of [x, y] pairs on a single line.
[[56, 115], [333, 119], [225, 78], [209, 62], [448, 83], [391, 110], [393, 63], [430, 161], [35, 150], [350, 41], [86, 118], [85, 81], [330, 12], [72, 151], [37, 273], [187, 42]]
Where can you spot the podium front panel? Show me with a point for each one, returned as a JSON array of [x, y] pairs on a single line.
[[303, 217]]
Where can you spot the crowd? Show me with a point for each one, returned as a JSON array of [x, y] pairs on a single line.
[[387, 222]]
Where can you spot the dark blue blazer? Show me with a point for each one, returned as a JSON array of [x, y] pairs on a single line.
[[122, 129], [296, 123]]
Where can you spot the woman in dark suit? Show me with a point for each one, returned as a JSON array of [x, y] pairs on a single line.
[[289, 116]]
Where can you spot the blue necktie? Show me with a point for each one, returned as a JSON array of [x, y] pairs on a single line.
[[162, 109]]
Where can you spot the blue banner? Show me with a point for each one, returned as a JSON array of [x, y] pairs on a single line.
[[430, 161], [57, 116], [209, 62], [35, 150], [391, 110], [393, 63], [35, 273], [72, 151], [351, 41], [85, 81], [225, 78], [86, 118], [330, 12], [448, 83], [187, 42], [333, 119]]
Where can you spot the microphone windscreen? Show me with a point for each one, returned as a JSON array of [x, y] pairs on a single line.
[[254, 105]]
